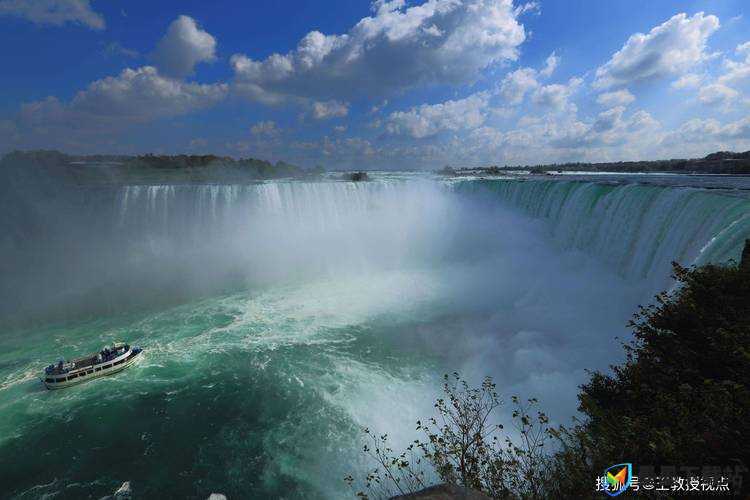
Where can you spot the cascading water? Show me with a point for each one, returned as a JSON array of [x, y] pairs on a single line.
[[638, 229], [347, 303]]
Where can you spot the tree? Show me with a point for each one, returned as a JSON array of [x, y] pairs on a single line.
[[682, 397], [463, 445]]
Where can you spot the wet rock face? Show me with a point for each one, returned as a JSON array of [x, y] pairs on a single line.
[[444, 492]]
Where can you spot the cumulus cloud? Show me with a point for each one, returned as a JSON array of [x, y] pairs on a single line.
[[702, 131], [551, 137], [397, 47], [471, 113], [607, 120], [717, 94], [668, 49], [556, 95], [550, 65], [609, 128], [182, 47], [429, 119], [323, 110], [688, 81], [134, 96], [54, 12], [737, 71], [617, 98], [517, 84]]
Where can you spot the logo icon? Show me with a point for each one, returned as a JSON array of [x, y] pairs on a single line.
[[618, 478]]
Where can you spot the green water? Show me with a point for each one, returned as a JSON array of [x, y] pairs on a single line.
[[255, 395], [263, 394]]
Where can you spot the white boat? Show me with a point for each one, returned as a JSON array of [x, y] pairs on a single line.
[[106, 362]]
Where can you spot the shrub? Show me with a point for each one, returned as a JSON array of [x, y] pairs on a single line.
[[463, 446], [682, 397]]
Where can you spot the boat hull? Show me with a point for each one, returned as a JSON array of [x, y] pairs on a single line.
[[80, 378]]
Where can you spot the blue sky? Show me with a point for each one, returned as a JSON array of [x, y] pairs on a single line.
[[384, 84]]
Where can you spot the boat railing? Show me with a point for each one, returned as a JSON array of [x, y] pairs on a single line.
[[105, 355]]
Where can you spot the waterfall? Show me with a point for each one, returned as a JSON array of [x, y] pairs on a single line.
[[162, 206], [276, 227], [640, 229], [122, 239]]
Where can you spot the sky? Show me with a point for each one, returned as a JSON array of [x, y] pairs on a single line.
[[387, 84]]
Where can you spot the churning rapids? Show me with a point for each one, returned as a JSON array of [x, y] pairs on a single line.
[[280, 318]]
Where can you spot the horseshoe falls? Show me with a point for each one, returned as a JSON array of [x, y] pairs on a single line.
[[637, 229], [280, 318]]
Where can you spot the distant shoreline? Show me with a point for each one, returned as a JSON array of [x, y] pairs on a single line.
[[719, 163]]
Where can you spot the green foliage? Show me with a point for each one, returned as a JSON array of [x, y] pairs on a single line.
[[683, 395], [463, 445]]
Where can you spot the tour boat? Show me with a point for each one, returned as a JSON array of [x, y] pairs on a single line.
[[106, 362]]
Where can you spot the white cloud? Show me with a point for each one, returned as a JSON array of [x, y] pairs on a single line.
[[134, 96], [429, 119], [668, 49], [566, 134], [552, 137], [265, 128], [182, 47], [322, 110], [688, 81], [398, 47], [528, 7], [54, 12], [517, 84], [737, 71], [552, 62], [717, 94], [642, 120], [617, 98], [607, 120], [739, 129], [556, 95], [709, 131]]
